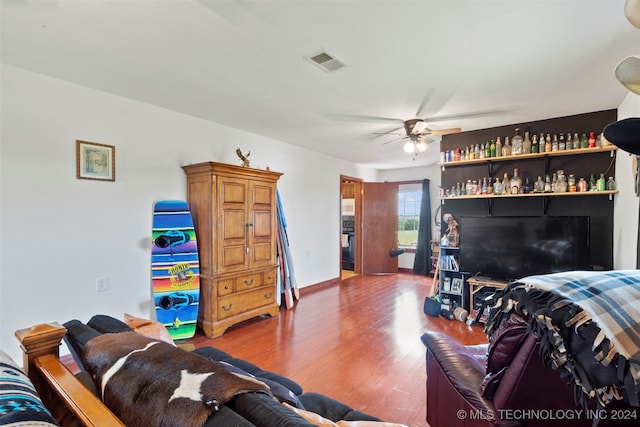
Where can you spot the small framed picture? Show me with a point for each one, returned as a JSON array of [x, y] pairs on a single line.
[[95, 161], [456, 285]]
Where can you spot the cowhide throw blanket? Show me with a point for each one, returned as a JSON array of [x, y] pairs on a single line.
[[151, 383]]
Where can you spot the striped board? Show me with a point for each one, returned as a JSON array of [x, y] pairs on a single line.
[[175, 268]]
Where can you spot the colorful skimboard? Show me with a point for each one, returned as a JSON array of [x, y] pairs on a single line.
[[175, 268]]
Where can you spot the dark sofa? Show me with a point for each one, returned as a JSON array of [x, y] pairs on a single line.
[[250, 409]]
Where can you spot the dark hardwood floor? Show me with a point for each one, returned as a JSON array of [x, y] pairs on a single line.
[[358, 342]]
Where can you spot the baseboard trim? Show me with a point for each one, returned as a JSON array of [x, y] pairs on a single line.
[[319, 286]]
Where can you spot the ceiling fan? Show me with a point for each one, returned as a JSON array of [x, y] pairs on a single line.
[[416, 134]]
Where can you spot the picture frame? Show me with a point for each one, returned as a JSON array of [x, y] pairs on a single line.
[[95, 161], [456, 285]]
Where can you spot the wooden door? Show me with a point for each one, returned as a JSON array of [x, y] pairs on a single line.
[[379, 227], [262, 241], [233, 223]]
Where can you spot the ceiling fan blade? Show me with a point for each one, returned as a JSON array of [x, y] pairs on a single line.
[[462, 116], [394, 140], [394, 129], [441, 131], [423, 104], [362, 118]]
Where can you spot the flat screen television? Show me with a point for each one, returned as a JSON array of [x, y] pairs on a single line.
[[512, 247]]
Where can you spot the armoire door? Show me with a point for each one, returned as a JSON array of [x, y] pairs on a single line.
[[379, 227]]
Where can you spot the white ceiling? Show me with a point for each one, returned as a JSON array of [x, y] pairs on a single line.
[[240, 63]]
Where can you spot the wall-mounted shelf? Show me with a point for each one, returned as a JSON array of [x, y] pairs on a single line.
[[573, 152], [504, 196]]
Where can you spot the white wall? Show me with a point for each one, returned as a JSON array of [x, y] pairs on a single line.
[[432, 173], [59, 234], [625, 219]]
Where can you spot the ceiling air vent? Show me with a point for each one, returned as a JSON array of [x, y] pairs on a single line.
[[326, 61]]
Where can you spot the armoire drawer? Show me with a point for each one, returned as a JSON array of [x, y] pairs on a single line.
[[238, 303], [250, 281]]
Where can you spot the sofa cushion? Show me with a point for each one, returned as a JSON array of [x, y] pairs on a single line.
[[505, 341], [19, 402]]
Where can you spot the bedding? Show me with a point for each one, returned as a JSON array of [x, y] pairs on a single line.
[[589, 325], [20, 405]]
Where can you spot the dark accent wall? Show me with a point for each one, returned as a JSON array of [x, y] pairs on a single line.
[[598, 207]]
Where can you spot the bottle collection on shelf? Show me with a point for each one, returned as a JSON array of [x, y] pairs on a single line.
[[495, 148], [516, 185]]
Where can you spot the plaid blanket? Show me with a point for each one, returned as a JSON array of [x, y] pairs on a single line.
[[589, 324]]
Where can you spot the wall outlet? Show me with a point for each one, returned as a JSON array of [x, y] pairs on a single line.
[[102, 284]]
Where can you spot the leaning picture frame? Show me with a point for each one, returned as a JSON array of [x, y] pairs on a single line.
[[456, 285], [95, 161]]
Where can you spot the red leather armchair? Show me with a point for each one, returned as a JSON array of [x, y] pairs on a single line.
[[504, 383]]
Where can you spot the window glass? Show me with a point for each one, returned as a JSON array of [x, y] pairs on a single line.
[[409, 200]]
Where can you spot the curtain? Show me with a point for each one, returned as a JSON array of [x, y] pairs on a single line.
[[422, 261]]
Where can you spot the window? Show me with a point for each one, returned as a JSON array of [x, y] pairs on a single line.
[[409, 200]]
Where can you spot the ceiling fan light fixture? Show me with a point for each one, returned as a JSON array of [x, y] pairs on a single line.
[[421, 146], [409, 147]]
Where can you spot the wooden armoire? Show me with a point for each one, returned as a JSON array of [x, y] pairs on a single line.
[[234, 213]]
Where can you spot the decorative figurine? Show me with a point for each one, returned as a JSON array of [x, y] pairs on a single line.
[[453, 235], [245, 159]]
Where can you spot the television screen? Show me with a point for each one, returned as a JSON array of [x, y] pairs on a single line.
[[515, 247]]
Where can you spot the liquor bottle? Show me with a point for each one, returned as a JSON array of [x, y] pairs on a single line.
[[576, 141], [599, 140], [541, 143], [505, 184], [526, 144], [569, 141], [497, 187], [498, 147], [591, 142], [469, 187], [516, 183], [572, 183], [611, 184], [472, 153], [484, 186], [493, 149], [547, 144], [535, 148], [476, 150], [601, 184], [506, 148], [592, 183], [554, 183], [562, 144], [457, 155], [584, 141], [527, 186], [548, 185], [516, 144], [538, 186], [582, 185], [554, 143], [480, 153], [463, 189], [487, 150], [561, 185]]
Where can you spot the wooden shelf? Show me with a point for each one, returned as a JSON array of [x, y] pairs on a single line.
[[516, 157], [501, 196]]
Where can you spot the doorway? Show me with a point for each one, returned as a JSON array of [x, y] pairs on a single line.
[[369, 227], [350, 226]]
